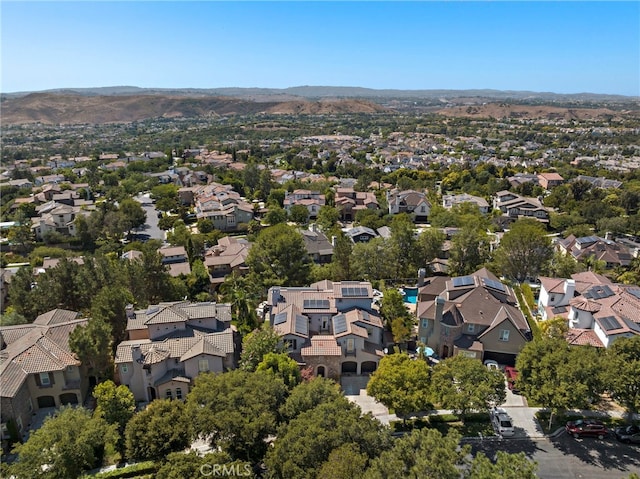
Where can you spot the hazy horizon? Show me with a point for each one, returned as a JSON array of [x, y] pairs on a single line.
[[544, 47]]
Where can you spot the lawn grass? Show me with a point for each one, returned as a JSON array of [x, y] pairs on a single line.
[[473, 424]]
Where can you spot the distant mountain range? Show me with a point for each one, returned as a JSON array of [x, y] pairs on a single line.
[[318, 92], [126, 104]]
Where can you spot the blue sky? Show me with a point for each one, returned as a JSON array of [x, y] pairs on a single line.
[[562, 47]]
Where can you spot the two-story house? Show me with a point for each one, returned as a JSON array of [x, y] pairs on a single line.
[[608, 251], [38, 369], [170, 344], [449, 201], [329, 326], [597, 311], [514, 206], [223, 206], [175, 260], [349, 202], [312, 200], [414, 203], [227, 257], [475, 315]]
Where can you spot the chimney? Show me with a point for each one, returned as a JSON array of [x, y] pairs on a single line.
[[274, 296], [422, 273], [439, 302], [136, 353], [569, 289], [333, 241], [129, 310]]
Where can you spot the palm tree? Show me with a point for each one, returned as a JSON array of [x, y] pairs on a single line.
[[237, 291]]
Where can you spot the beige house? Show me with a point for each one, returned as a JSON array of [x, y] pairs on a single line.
[[225, 258], [37, 368], [349, 202], [329, 326], [475, 315], [414, 203], [170, 344]]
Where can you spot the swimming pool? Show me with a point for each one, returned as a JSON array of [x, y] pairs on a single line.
[[410, 295]]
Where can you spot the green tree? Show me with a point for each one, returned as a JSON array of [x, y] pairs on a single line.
[[559, 376], [327, 218], [93, 346], [401, 384], [344, 462], [132, 214], [469, 251], [393, 307], [116, 405], [282, 367], [68, 443], [429, 246], [110, 306], [622, 373], [276, 215], [240, 293], [180, 465], [403, 246], [160, 429], [524, 250], [463, 384], [205, 225], [506, 466], [305, 443], [372, 260], [341, 260], [307, 395], [279, 257], [237, 410], [299, 214], [423, 453], [257, 344], [12, 317]]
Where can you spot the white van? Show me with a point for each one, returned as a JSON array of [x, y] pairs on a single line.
[[502, 422]]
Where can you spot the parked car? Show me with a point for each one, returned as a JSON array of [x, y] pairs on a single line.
[[512, 375], [501, 422], [628, 434], [491, 364], [586, 428]]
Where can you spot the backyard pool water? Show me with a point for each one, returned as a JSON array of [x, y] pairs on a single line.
[[410, 295]]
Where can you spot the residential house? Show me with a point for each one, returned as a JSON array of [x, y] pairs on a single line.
[[597, 311], [475, 315], [550, 180], [608, 251], [514, 206], [449, 201], [599, 182], [227, 257], [414, 203], [38, 369], [223, 206], [349, 202], [170, 344], [176, 260], [312, 200], [360, 234], [318, 246], [330, 327]]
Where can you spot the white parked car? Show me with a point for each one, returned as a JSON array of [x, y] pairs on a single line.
[[491, 364], [501, 422]]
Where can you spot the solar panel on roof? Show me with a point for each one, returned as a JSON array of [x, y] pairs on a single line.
[[599, 292], [280, 318], [353, 292], [339, 324], [493, 284], [635, 292], [462, 281], [302, 325], [315, 304], [609, 323]]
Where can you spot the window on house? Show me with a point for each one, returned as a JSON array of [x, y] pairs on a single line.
[[124, 368], [425, 323], [293, 344], [203, 365], [351, 345], [504, 335], [445, 331], [178, 393], [44, 379], [471, 328], [169, 396]]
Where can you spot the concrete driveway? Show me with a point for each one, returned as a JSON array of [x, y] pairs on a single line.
[[355, 390]]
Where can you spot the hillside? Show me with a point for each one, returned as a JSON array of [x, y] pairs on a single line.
[[49, 108], [502, 110]]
